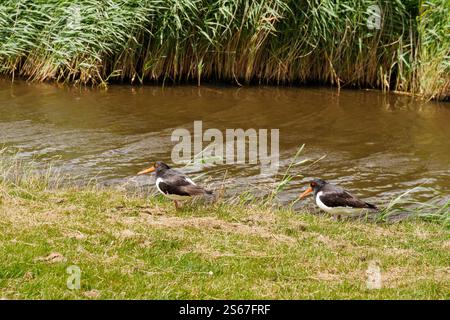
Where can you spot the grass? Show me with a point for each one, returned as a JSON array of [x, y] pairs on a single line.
[[136, 246], [262, 41]]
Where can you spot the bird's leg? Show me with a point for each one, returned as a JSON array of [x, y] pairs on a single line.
[[177, 205]]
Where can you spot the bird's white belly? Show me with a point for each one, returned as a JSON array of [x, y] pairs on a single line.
[[175, 197], [170, 196], [337, 210]]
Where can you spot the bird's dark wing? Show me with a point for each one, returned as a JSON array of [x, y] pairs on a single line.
[[194, 190], [172, 189], [176, 178], [338, 197], [174, 182]]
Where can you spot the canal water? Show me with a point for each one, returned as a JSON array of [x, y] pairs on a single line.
[[376, 145]]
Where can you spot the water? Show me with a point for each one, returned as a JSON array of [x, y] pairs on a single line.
[[377, 146]]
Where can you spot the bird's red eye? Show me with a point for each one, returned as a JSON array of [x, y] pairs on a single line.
[[313, 184]]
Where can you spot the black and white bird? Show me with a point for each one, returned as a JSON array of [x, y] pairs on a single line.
[[174, 184], [335, 200]]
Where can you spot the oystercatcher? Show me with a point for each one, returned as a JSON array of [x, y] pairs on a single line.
[[174, 184], [335, 200]]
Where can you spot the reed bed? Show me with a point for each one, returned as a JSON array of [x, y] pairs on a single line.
[[242, 41]]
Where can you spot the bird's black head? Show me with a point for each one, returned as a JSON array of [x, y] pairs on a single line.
[[315, 186], [159, 167]]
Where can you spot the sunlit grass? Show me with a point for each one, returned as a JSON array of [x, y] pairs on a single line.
[[136, 245]]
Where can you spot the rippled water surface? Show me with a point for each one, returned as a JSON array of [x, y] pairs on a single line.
[[376, 145]]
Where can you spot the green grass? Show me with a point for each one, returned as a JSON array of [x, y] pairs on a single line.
[[134, 246], [240, 41]]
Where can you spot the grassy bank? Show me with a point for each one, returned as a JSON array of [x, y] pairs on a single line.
[[262, 41], [132, 246]]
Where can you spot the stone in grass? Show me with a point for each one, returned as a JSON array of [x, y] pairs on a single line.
[[92, 294], [53, 257], [127, 234]]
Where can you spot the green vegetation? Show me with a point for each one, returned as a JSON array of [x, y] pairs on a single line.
[[434, 50], [261, 41], [135, 246]]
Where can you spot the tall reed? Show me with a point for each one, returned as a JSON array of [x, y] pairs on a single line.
[[433, 72]]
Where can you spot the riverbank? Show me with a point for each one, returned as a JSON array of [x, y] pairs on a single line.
[[396, 45], [135, 247]]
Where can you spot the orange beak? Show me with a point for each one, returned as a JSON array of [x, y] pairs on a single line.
[[307, 191], [151, 169]]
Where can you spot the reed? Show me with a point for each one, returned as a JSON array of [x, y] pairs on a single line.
[[434, 50], [243, 41], [404, 207], [22, 175]]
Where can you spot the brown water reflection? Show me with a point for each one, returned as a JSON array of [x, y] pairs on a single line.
[[375, 145]]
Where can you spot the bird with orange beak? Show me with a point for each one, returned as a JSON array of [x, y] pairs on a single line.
[[335, 200], [174, 184]]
